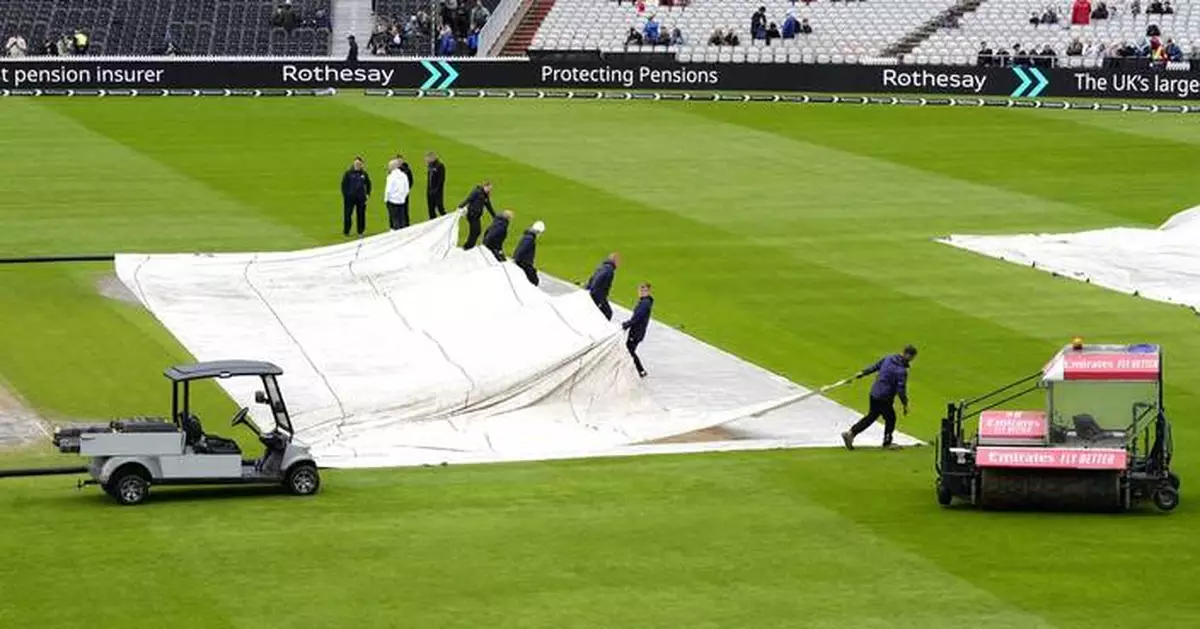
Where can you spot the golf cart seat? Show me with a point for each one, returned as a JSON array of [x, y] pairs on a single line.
[[1088, 429], [206, 444]]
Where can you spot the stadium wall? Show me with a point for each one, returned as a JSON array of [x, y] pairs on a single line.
[[443, 74]]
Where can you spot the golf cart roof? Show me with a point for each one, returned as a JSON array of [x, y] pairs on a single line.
[[1105, 363], [221, 369]]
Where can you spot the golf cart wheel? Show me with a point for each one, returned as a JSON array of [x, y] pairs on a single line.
[[1166, 498], [303, 479], [944, 497], [129, 486], [1173, 478]]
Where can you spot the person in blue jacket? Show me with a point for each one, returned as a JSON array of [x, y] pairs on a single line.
[[890, 383], [599, 285], [526, 250], [637, 325]]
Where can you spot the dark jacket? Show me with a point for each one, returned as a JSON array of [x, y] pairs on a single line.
[[407, 170], [526, 249], [352, 56], [601, 281], [356, 185], [640, 320], [477, 201], [892, 380], [494, 237], [436, 182]]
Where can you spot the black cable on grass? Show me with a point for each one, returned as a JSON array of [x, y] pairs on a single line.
[[56, 259]]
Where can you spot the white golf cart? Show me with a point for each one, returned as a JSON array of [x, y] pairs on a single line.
[[128, 456]]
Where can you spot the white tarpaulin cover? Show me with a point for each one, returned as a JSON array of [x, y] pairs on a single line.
[[402, 349], [1161, 264]]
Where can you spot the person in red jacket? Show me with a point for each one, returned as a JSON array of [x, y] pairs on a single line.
[[1081, 12]]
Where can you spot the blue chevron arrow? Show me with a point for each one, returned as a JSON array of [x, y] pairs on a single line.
[[434, 75], [1025, 82], [1042, 82], [451, 75]]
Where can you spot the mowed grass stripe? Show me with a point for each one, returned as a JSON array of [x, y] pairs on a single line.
[[1042, 155], [67, 190], [509, 546]]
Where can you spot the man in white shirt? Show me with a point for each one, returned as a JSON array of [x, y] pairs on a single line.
[[16, 46], [396, 196]]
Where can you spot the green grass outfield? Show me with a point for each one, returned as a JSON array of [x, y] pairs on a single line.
[[795, 236]]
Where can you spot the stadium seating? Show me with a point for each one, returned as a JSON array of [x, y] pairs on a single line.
[[867, 31], [399, 12], [141, 27], [1003, 23]]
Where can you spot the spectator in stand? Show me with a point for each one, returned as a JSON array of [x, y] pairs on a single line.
[[447, 9], [790, 25], [717, 38], [664, 38], [1168, 9], [983, 58], [396, 45], [633, 38], [447, 43], [1153, 31], [63, 45], [1075, 48], [352, 55], [1100, 12], [1020, 57], [758, 24], [1081, 12], [1002, 58], [1154, 8], [1135, 8], [479, 15], [805, 28], [1047, 58], [1050, 16], [677, 37], [16, 46], [473, 42], [80, 42], [640, 7], [1174, 52], [650, 31], [772, 33], [731, 38], [1034, 20]]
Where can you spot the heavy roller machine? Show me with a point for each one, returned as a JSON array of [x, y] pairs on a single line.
[[1102, 442]]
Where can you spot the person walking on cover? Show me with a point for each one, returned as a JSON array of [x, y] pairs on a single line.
[[479, 199], [637, 324], [356, 189], [890, 383], [599, 285], [435, 185], [496, 233], [396, 196], [527, 249]]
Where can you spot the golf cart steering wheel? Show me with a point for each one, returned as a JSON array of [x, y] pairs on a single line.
[[241, 416]]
